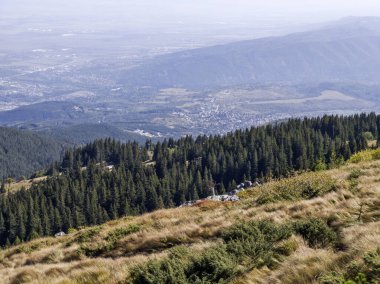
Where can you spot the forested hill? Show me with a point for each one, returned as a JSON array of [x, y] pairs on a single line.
[[82, 190], [23, 153]]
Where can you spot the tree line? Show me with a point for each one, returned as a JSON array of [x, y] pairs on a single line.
[[81, 190]]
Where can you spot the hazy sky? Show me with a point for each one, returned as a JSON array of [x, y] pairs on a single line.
[[189, 12]]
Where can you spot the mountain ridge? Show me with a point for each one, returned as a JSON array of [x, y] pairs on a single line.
[[337, 52]]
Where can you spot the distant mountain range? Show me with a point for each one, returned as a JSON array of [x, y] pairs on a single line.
[[344, 51]]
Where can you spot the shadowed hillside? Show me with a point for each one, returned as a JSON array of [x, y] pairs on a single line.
[[23, 153]]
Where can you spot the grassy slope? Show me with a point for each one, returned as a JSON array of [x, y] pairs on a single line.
[[105, 254], [18, 185]]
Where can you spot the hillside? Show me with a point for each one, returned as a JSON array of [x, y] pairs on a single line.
[[23, 153], [345, 51], [330, 237], [106, 179]]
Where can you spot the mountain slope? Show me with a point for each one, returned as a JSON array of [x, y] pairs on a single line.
[[24, 153], [348, 50], [107, 179], [329, 238]]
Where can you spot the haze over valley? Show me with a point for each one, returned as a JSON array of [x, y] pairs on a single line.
[[173, 77]]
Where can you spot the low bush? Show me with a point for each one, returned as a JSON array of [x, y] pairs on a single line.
[[88, 234], [214, 266], [371, 268], [287, 247], [245, 246], [353, 178], [118, 233], [365, 156], [168, 270], [316, 232], [355, 174], [366, 273], [254, 242], [108, 244], [305, 186]]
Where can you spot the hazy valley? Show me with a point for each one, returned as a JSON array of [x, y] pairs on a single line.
[[138, 90]]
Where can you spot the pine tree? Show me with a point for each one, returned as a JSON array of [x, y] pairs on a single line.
[[2, 188]]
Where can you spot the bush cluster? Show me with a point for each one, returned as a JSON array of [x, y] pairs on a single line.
[[118, 233], [316, 232], [365, 156], [109, 243], [353, 178], [246, 245], [368, 272], [306, 186]]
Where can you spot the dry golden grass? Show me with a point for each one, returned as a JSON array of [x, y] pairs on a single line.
[[62, 260], [14, 186]]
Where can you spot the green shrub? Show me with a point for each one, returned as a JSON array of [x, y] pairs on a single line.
[[159, 272], [88, 234], [372, 264], [96, 249], [376, 154], [361, 157], [122, 232], [320, 166], [254, 242], [368, 136], [365, 156], [71, 230], [214, 266], [169, 270], [24, 249], [332, 278], [306, 186], [287, 247], [367, 272], [355, 174], [109, 243], [266, 230], [247, 245], [316, 232], [353, 178]]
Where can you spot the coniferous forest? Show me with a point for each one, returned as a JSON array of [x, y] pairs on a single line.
[[23, 152], [81, 190]]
